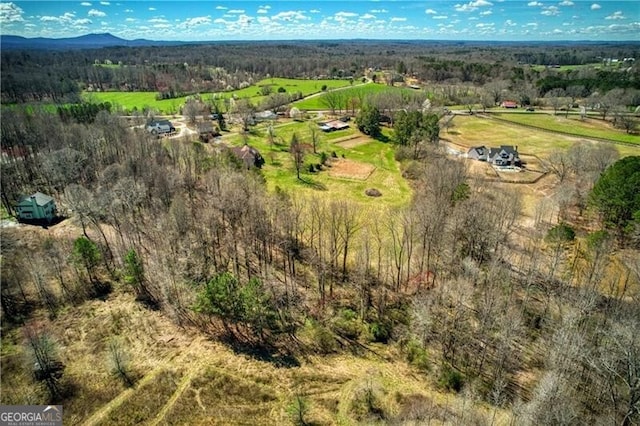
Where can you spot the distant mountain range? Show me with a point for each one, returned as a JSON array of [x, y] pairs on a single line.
[[89, 41], [97, 41]]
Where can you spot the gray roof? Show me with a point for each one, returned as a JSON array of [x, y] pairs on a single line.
[[41, 199]]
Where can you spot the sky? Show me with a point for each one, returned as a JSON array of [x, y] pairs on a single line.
[[476, 20]]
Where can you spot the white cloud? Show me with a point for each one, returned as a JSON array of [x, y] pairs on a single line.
[[9, 13], [616, 15], [262, 11], [557, 31], [430, 12], [96, 13], [162, 26], [105, 3], [263, 20], [291, 15], [346, 14], [314, 11], [550, 11], [236, 11], [222, 7], [472, 6], [130, 20], [220, 21], [198, 20], [85, 3], [368, 16], [510, 23], [566, 3], [534, 3], [128, 10], [83, 21], [397, 19], [486, 13], [157, 21], [440, 17], [379, 11], [595, 6], [482, 25], [152, 9]]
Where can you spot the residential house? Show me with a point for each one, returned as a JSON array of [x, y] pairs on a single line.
[[249, 156], [331, 126], [509, 104], [36, 207], [479, 153], [505, 156], [265, 116]]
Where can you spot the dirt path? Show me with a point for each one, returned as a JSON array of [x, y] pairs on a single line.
[[182, 387], [99, 416]]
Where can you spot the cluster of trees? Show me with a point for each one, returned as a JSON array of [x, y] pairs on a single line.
[[444, 278]]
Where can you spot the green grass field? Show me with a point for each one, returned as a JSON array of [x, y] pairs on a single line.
[[567, 67], [316, 103], [139, 100], [470, 131], [572, 124], [279, 170]]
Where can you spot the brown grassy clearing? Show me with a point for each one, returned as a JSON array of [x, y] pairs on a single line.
[[349, 169]]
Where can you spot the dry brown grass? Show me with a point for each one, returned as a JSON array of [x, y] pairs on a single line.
[[349, 169]]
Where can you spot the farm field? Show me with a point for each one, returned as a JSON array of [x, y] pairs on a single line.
[[470, 131], [361, 163], [316, 103], [571, 124], [131, 100]]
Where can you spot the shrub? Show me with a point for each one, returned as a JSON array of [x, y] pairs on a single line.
[[417, 355], [348, 324], [367, 405], [281, 90], [451, 379], [321, 338], [323, 157], [312, 168], [333, 154], [380, 331], [561, 233], [324, 87]]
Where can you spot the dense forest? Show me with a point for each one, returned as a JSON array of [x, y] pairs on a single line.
[[541, 321], [179, 70]]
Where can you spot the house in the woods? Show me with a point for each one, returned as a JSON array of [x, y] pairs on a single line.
[[36, 208], [249, 156], [509, 104], [505, 156]]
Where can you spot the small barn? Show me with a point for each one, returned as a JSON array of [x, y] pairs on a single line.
[[36, 208]]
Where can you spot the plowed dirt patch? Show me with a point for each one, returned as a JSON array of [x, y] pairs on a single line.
[[349, 169], [353, 141]]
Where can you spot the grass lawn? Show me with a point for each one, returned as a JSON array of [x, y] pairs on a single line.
[[130, 100], [572, 124], [567, 67], [279, 170], [316, 103], [471, 131]]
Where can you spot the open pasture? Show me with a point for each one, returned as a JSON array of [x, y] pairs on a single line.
[[590, 127], [348, 173], [317, 103], [140, 100], [469, 131]]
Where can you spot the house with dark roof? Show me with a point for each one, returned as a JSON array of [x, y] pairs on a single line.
[[479, 153], [505, 156], [36, 207], [249, 156]]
